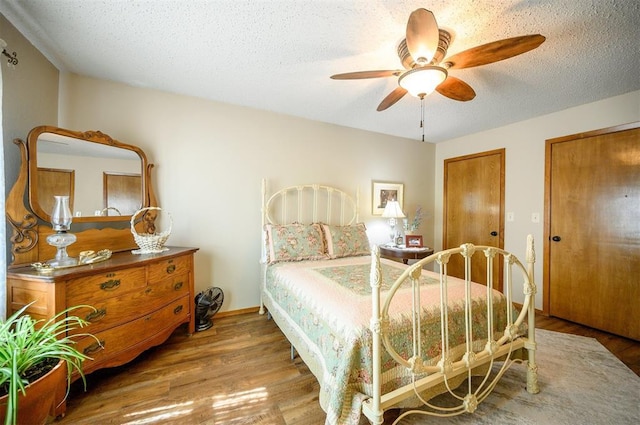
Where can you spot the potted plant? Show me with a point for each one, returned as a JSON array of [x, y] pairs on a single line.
[[35, 353]]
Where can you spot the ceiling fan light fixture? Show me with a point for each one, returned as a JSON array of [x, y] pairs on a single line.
[[422, 81]]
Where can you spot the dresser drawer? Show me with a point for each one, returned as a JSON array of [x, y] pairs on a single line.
[[93, 289], [168, 289], [126, 336], [168, 268], [127, 306], [37, 294]]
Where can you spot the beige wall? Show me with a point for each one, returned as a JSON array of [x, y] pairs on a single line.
[[525, 149], [29, 98], [29, 95], [211, 157]]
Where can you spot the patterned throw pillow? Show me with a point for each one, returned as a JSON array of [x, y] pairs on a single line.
[[295, 242], [346, 241]]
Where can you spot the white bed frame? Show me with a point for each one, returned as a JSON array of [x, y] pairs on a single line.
[[310, 203], [469, 363], [318, 203]]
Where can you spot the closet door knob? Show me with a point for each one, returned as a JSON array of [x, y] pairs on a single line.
[[494, 233], [556, 238]]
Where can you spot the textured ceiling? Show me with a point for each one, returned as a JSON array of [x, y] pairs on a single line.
[[278, 55]]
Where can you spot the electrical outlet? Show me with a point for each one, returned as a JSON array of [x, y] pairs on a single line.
[[510, 216], [535, 217]]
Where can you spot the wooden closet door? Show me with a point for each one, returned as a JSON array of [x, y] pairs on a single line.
[[473, 208], [593, 244], [55, 181], [122, 192]]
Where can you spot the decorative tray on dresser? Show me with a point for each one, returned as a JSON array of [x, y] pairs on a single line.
[[139, 300]]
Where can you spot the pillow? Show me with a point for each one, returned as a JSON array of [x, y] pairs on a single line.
[[346, 241], [295, 242]]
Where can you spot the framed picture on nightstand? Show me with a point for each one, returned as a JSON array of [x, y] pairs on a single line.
[[413, 241]]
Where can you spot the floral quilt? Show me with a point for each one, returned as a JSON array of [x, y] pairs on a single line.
[[324, 309]]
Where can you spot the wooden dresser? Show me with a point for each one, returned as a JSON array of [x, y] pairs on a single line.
[[139, 300]]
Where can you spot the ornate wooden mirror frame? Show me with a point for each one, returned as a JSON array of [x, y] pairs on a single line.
[[30, 223]]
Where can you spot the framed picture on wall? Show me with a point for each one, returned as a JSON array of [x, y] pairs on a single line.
[[383, 192]]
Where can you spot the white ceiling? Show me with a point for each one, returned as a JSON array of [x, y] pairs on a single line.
[[278, 55]]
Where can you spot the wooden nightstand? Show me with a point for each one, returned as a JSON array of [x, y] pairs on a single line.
[[405, 254]]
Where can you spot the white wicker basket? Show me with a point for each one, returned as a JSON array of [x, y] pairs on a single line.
[[150, 243]]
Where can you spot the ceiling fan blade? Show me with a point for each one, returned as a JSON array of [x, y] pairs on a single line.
[[391, 98], [495, 51], [422, 36], [366, 74], [456, 89]]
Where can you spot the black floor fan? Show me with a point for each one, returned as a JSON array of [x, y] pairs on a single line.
[[208, 302]]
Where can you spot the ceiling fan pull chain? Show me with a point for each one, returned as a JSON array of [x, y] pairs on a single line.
[[422, 116]]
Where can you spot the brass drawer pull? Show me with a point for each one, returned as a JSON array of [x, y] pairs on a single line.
[[177, 310], [96, 346], [110, 285], [96, 315], [177, 286], [171, 268]]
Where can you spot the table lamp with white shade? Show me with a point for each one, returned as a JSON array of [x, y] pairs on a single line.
[[392, 211]]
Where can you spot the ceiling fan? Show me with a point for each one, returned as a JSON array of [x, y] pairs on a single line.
[[422, 53]]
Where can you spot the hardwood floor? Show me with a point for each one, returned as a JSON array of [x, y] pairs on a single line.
[[238, 372]]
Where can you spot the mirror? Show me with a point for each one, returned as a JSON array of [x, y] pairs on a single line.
[[104, 178]]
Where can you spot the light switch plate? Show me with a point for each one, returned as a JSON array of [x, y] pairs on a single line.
[[510, 216]]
